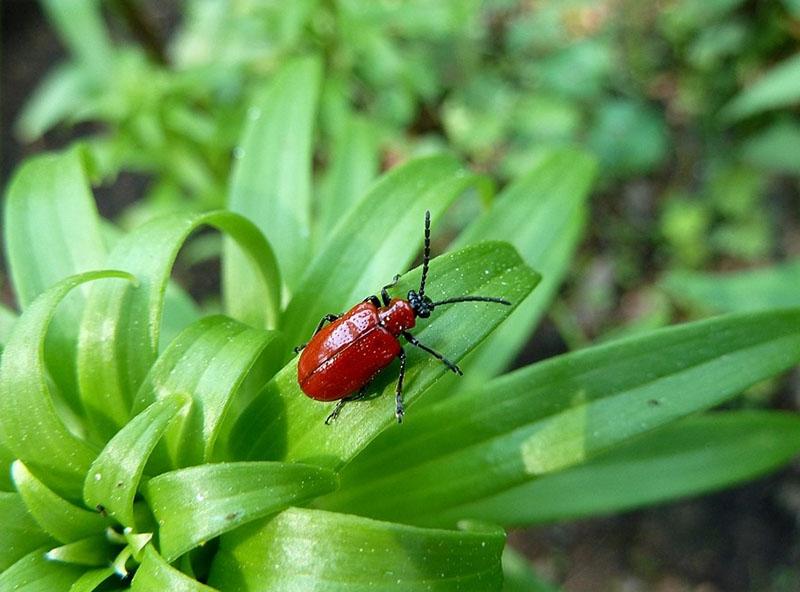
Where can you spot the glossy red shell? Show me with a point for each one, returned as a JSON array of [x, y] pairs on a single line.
[[346, 354]]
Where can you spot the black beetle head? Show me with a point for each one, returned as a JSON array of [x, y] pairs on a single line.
[[421, 305]]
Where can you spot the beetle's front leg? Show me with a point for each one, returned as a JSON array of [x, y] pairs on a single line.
[[385, 290], [415, 342], [399, 409], [327, 318]]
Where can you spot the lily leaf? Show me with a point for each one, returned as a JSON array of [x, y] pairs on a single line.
[[156, 574], [20, 534], [314, 550], [30, 426], [113, 479], [196, 504], [36, 573], [558, 414]]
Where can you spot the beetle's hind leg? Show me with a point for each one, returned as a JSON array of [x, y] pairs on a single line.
[[399, 409], [341, 403], [329, 318]]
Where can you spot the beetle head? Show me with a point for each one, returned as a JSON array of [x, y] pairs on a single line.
[[420, 304]]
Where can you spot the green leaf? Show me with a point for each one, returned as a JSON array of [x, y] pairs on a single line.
[[19, 534], [383, 232], [120, 328], [52, 191], [92, 579], [518, 575], [210, 360], [559, 413], [353, 167], [57, 97], [29, 424], [326, 552], [7, 320], [196, 504], [271, 182], [282, 423], [692, 456], [113, 479], [542, 214], [775, 148], [156, 574], [777, 88], [767, 287], [35, 573], [95, 551], [62, 520], [80, 25]]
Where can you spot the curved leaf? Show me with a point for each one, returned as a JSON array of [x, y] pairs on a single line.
[[210, 359], [326, 552], [692, 456], [384, 231], [54, 515], [196, 504], [542, 215], [768, 287], [90, 580], [113, 479], [29, 425], [352, 169], [95, 551], [52, 191], [120, 329], [156, 574], [271, 182], [779, 87], [35, 573], [282, 423], [19, 534], [559, 413]]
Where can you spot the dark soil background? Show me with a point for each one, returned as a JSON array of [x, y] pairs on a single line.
[[743, 539]]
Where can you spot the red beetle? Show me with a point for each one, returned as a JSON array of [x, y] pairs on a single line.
[[342, 358]]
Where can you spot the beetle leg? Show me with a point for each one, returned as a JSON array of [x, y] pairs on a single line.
[[414, 341], [384, 291], [338, 409], [374, 300], [399, 411], [329, 318]]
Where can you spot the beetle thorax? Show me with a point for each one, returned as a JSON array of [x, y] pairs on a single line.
[[397, 316]]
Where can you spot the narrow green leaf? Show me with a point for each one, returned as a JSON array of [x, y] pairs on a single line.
[[35, 573], [113, 479], [7, 320], [271, 182], [768, 287], [518, 575], [19, 534], [95, 551], [156, 574], [692, 456], [92, 579], [29, 425], [196, 504], [180, 311], [326, 552], [383, 232], [777, 88], [353, 167], [52, 191], [62, 520], [210, 360], [542, 215], [559, 413], [57, 97], [120, 329], [80, 25], [282, 423]]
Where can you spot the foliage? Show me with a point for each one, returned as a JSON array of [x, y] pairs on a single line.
[[155, 442]]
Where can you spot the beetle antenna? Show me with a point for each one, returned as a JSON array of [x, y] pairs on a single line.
[[426, 255], [472, 299]]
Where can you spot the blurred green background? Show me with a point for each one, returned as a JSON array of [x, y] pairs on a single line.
[[690, 107]]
